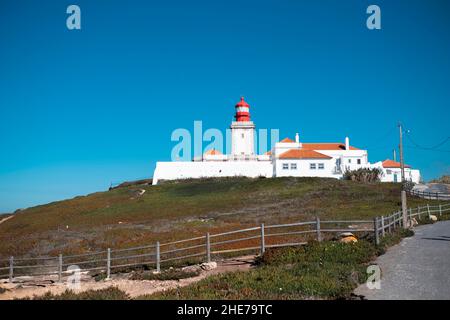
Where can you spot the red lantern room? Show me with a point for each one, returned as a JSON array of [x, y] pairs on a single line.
[[242, 111]]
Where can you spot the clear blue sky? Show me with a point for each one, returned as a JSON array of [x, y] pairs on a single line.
[[79, 109]]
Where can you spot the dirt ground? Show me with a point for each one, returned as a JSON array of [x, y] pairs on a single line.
[[36, 286], [5, 219]]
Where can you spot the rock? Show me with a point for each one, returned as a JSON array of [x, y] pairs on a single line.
[[194, 268], [348, 237], [208, 265], [433, 217]]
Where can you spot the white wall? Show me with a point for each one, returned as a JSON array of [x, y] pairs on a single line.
[[390, 173], [345, 156], [303, 168], [184, 169], [242, 138]]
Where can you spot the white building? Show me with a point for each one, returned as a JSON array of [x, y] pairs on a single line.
[[287, 158], [392, 171]]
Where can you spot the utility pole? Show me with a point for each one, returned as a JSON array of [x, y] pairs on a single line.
[[402, 164], [402, 167]]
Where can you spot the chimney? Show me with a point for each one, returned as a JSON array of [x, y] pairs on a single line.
[[347, 143], [297, 138]]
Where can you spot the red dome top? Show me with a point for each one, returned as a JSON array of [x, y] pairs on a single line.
[[242, 111], [242, 103]]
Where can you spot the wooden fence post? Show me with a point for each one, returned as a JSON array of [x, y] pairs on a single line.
[[389, 224], [410, 217], [11, 268], [395, 220], [382, 226], [158, 257], [418, 211], [60, 267], [108, 263], [208, 248], [428, 209], [375, 230], [404, 210], [319, 234], [263, 245], [440, 210]]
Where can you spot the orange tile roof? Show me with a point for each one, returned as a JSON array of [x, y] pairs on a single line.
[[213, 152], [388, 163], [302, 154], [326, 146], [268, 153], [287, 140]]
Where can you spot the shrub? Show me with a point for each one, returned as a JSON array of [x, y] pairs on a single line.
[[363, 175], [443, 179]]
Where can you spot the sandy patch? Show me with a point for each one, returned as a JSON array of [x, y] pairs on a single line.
[[24, 287]]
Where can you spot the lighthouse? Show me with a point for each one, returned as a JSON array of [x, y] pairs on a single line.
[[242, 133]]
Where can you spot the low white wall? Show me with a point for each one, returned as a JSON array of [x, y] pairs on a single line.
[[303, 168], [185, 170]]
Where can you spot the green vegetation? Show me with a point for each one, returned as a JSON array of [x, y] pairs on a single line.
[[326, 270], [122, 218], [319, 270], [170, 274], [111, 293], [443, 179], [363, 175]]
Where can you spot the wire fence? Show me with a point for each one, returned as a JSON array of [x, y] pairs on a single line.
[[208, 247]]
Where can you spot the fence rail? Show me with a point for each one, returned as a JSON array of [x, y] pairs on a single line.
[[429, 195], [204, 248]]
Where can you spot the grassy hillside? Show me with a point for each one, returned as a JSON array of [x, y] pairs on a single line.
[[123, 218], [318, 270]]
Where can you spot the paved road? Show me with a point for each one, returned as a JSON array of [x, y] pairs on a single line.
[[417, 268], [433, 187]]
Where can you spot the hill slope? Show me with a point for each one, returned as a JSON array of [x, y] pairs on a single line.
[[125, 217]]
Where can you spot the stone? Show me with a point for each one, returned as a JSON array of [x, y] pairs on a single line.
[[208, 265], [194, 268]]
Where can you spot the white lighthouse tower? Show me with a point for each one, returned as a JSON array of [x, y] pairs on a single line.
[[242, 133]]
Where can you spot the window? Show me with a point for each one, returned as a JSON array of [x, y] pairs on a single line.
[[285, 166], [358, 161], [349, 160], [321, 166], [312, 166], [388, 171], [293, 166], [242, 136]]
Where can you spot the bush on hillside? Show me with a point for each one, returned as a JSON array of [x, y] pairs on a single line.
[[443, 179], [363, 175]]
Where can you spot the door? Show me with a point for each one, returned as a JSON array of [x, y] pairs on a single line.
[[395, 177]]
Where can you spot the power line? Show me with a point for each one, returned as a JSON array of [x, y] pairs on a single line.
[[433, 148], [425, 149], [422, 147]]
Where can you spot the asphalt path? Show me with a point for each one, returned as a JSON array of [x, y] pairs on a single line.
[[417, 268]]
